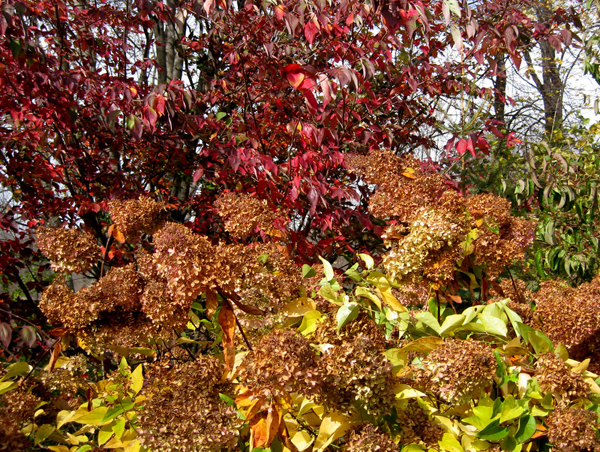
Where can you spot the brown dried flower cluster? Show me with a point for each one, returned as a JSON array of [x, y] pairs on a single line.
[[501, 238], [431, 233], [417, 427], [357, 373], [368, 438], [428, 235], [189, 263], [571, 316], [183, 411], [69, 250], [244, 215], [120, 288], [556, 377], [573, 430], [16, 407], [456, 369], [363, 325], [135, 216], [282, 363], [403, 189]]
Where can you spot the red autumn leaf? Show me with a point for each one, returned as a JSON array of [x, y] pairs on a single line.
[[461, 146], [310, 30]]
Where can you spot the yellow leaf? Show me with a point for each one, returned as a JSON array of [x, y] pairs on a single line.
[[424, 344], [390, 299], [58, 448], [410, 173], [403, 391], [137, 379], [302, 440], [299, 306], [334, 426]]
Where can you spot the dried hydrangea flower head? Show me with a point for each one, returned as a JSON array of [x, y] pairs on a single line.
[[282, 363], [417, 427], [363, 325], [571, 316], [63, 307], [244, 215], [573, 430], [189, 263], [16, 407], [120, 288], [431, 233], [556, 377], [357, 373], [183, 411], [403, 189], [69, 250], [137, 216], [456, 369], [501, 238], [368, 438]]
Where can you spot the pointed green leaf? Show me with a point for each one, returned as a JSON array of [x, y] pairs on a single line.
[[347, 313]]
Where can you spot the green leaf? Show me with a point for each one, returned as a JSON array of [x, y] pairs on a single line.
[[527, 427], [450, 443], [15, 369], [509, 443], [493, 432], [353, 274], [308, 271], [220, 115], [329, 294], [94, 417], [428, 319], [328, 269], [228, 400], [510, 409], [263, 258], [118, 428], [6, 386], [347, 313], [43, 432], [451, 322], [368, 260], [493, 325]]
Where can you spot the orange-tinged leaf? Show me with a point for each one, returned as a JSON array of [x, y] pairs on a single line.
[[279, 12], [212, 303], [55, 354], [295, 78], [227, 323], [410, 173], [258, 430], [273, 422]]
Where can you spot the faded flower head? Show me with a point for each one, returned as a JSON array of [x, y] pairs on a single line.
[[189, 263], [283, 362], [573, 430], [357, 372], [244, 215], [431, 232], [69, 250], [16, 407], [73, 310], [555, 376], [183, 411], [368, 438], [403, 189], [501, 238], [135, 216], [456, 369], [571, 316], [417, 427]]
